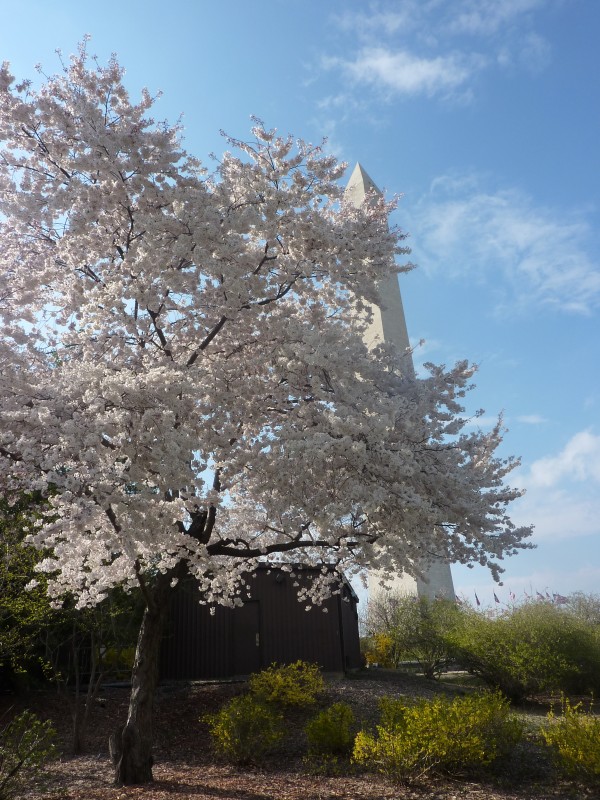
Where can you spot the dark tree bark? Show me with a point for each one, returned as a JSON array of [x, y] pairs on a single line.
[[131, 745]]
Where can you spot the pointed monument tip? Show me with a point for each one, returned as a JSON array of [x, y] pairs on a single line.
[[359, 185]]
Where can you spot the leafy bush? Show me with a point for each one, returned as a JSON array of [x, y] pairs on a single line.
[[403, 627], [296, 684], [26, 744], [331, 731], [438, 735], [534, 648], [575, 739], [379, 649], [244, 730]]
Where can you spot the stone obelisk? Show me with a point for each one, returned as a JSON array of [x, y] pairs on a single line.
[[389, 325]]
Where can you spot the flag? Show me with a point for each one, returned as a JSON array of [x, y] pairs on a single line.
[[477, 599], [496, 598]]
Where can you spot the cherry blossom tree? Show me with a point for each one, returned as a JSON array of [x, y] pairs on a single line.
[[184, 377]]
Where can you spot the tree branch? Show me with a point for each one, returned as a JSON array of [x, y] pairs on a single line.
[[113, 518], [163, 340], [222, 549], [11, 456], [206, 341]]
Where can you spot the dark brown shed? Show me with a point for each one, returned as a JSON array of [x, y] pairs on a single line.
[[271, 626]]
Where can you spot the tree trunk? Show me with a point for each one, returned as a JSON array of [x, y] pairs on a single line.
[[131, 745]]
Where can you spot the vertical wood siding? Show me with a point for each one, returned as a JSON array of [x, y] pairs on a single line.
[[273, 627]]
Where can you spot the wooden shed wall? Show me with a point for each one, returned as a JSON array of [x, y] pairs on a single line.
[[290, 632], [271, 627], [196, 645]]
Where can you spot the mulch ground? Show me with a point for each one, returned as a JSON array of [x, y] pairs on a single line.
[[186, 767]]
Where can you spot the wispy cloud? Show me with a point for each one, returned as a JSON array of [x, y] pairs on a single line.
[[482, 18], [531, 419], [484, 423], [409, 47], [487, 17], [578, 461], [400, 17], [562, 497], [532, 52], [543, 255], [559, 514], [402, 72], [562, 501]]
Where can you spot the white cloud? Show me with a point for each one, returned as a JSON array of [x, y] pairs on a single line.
[[458, 17], [531, 51], [486, 17], [402, 72], [485, 422], [401, 17], [562, 499], [559, 514], [578, 461], [534, 53], [541, 253], [410, 47], [531, 419]]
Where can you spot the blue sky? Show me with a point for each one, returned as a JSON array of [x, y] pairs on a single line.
[[485, 116]]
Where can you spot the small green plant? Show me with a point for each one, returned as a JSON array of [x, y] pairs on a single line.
[[245, 730], [536, 647], [26, 744], [331, 731], [439, 735], [406, 628], [296, 684], [575, 739]]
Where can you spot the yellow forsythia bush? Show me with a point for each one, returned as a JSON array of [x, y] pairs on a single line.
[[331, 731], [296, 684], [244, 729], [575, 739], [439, 735]]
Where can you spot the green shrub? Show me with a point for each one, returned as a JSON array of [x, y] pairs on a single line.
[[26, 744], [527, 650], [407, 628], [245, 730], [379, 649], [331, 731], [575, 739], [296, 684], [439, 735]]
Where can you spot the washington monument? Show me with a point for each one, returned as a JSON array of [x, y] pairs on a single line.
[[389, 325]]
